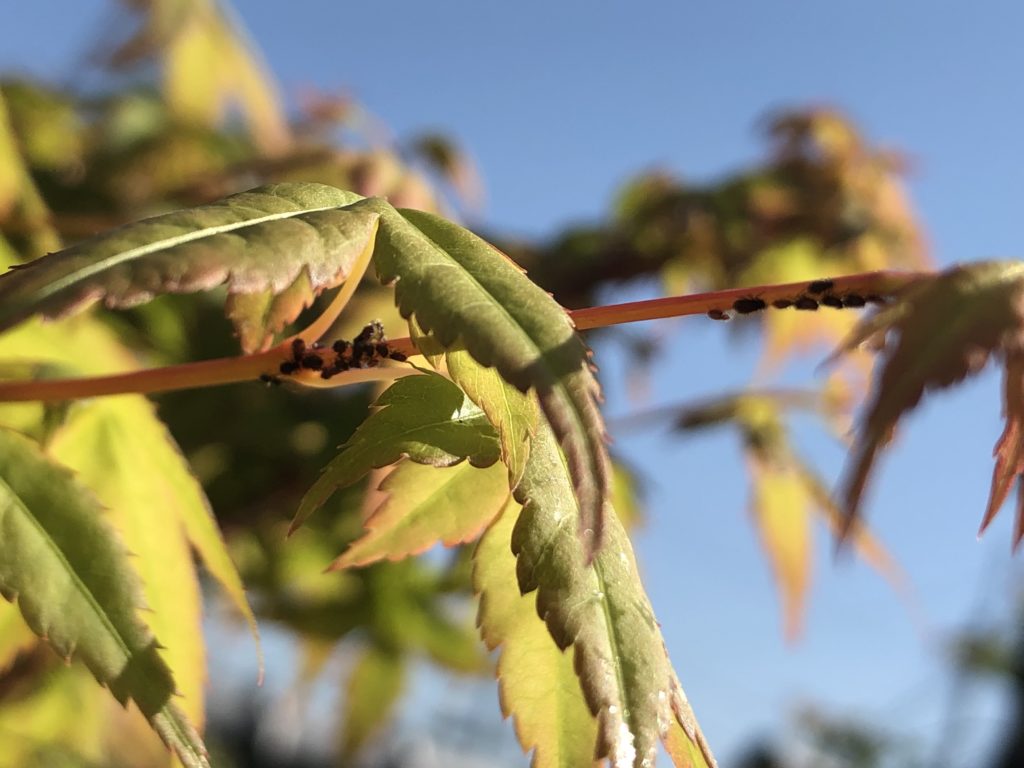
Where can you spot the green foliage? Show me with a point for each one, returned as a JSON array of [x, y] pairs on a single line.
[[600, 610], [460, 289], [237, 242], [505, 442], [424, 417], [63, 564]]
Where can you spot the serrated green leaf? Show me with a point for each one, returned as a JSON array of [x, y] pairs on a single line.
[[426, 505], [426, 418], [58, 345], [511, 412], [71, 577], [463, 290], [538, 686], [266, 241], [122, 451], [374, 687], [601, 610]]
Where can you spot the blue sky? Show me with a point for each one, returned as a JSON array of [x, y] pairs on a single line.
[[561, 102]]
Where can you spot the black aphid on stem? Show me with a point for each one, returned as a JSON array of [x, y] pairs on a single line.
[[748, 304]]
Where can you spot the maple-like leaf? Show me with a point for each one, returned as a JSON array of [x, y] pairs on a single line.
[[785, 491], [464, 292], [937, 332], [425, 505], [63, 564], [426, 418], [538, 686], [601, 611], [277, 246]]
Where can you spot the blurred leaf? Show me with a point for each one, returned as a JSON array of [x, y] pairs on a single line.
[[373, 689], [785, 490], [22, 210], [12, 170], [938, 332], [601, 610], [452, 164], [781, 511], [122, 451], [46, 125], [15, 635], [74, 585], [426, 418], [259, 242], [462, 289], [208, 66], [110, 448], [61, 718], [426, 505], [135, 423], [537, 683]]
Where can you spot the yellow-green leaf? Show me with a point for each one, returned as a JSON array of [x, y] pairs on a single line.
[[538, 686], [465, 292], [781, 511], [600, 610], [426, 505], [266, 241], [72, 580], [424, 417]]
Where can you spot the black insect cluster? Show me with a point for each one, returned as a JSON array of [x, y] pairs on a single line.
[[818, 293], [366, 350]]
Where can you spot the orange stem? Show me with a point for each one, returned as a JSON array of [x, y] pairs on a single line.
[[228, 370]]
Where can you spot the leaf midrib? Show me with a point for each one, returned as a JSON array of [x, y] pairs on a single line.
[[628, 711], [96, 267], [76, 580], [90, 600]]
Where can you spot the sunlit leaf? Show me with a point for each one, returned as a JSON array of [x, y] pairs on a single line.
[[59, 345], [20, 201], [786, 491], [781, 510], [511, 412], [63, 717], [71, 578], [425, 505], [463, 291], [426, 418], [683, 751], [264, 242], [373, 689], [12, 171], [109, 447], [939, 331], [538, 686], [600, 610]]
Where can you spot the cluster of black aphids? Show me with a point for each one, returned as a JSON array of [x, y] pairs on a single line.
[[818, 293], [364, 351]]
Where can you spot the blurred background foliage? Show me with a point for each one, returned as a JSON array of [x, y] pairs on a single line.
[[189, 113]]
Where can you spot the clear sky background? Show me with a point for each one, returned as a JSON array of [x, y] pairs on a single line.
[[559, 103]]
